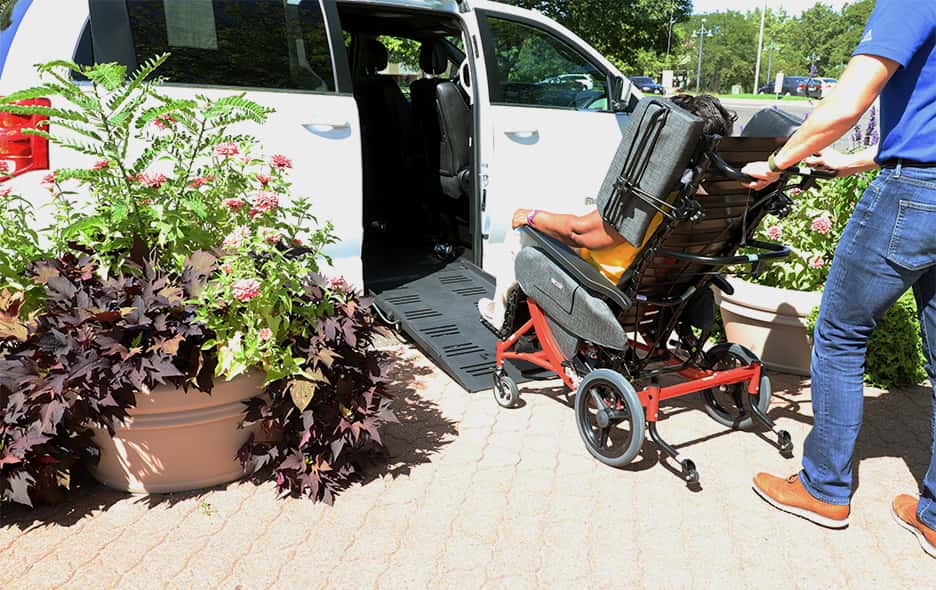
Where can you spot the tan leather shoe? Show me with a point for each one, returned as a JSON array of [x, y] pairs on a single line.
[[904, 509], [790, 496]]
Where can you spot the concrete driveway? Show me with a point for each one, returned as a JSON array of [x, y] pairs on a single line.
[[479, 497]]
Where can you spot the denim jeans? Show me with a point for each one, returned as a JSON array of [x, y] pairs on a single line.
[[888, 246]]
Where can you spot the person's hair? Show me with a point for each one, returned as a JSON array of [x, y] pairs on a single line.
[[717, 119]]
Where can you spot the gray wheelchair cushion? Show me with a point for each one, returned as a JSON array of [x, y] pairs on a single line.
[[566, 302]]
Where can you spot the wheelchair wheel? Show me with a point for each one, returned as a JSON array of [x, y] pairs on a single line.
[[725, 403], [505, 390], [610, 417]]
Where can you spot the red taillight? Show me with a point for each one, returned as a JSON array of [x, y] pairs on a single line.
[[23, 153]]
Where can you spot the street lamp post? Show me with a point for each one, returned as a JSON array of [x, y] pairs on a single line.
[[701, 35], [669, 35], [770, 60], [760, 46]]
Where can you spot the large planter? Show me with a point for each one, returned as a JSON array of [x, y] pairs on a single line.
[[771, 322], [176, 441]]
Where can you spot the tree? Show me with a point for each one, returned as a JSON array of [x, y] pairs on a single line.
[[622, 30]]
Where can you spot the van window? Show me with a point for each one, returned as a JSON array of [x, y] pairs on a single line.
[[252, 43], [533, 67]]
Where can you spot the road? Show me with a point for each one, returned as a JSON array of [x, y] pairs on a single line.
[[745, 108]]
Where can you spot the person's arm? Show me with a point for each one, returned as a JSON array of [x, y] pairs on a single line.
[[844, 164], [585, 231], [859, 86]]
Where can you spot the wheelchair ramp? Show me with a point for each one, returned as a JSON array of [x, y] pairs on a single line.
[[439, 311]]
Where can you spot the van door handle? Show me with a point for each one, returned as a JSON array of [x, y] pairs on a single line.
[[320, 127], [523, 132]]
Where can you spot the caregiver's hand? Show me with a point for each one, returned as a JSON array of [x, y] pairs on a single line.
[[843, 164], [760, 171]]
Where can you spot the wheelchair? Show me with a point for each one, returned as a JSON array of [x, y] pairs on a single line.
[[612, 344]]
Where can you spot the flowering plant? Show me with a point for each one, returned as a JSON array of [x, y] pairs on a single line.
[[813, 227], [187, 257]]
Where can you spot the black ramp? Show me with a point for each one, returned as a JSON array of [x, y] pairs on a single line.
[[439, 311]]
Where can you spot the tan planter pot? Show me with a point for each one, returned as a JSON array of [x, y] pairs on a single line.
[[176, 441], [771, 322]]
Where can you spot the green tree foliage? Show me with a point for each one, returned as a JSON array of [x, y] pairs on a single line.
[[632, 33]]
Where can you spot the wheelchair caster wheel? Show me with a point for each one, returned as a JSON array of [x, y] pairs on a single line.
[[690, 473], [785, 442], [505, 390]]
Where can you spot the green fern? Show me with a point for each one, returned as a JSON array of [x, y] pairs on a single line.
[[137, 80]]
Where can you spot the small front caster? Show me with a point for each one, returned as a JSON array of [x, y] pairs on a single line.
[[505, 390], [690, 473]]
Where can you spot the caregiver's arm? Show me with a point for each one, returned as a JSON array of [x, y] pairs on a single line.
[[579, 231], [860, 85]]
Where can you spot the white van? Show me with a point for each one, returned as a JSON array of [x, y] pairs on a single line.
[[419, 179]]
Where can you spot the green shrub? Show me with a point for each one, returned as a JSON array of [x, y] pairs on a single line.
[[895, 350]]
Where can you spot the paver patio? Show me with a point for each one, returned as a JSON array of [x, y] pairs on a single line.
[[480, 497]]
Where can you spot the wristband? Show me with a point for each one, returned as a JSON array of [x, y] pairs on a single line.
[[531, 217], [772, 164]]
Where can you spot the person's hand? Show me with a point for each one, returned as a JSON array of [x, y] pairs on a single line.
[[519, 218], [760, 171], [830, 159]]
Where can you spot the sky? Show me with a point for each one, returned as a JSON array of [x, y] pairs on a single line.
[[791, 6]]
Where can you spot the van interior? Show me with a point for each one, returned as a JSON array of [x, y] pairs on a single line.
[[421, 243], [416, 136]]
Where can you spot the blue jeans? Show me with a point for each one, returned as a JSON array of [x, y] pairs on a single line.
[[888, 246]]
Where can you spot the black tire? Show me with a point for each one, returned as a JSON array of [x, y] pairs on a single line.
[[607, 410], [726, 404], [506, 393]]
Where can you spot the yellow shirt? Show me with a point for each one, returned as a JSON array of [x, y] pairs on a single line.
[[614, 261]]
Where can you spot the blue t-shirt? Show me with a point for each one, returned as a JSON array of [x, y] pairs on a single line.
[[905, 31]]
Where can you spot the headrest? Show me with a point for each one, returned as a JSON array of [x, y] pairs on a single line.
[[374, 55], [432, 58], [771, 122]]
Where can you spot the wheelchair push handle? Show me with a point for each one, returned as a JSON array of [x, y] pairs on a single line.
[[803, 171]]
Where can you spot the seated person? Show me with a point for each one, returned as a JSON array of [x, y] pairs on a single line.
[[596, 240]]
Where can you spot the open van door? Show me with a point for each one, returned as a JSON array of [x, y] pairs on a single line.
[[550, 129], [284, 55]]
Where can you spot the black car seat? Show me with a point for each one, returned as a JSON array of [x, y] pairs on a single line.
[[390, 148], [444, 118]]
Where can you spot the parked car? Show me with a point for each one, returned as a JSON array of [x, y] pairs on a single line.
[[359, 147], [792, 86], [646, 84], [819, 87], [580, 79]]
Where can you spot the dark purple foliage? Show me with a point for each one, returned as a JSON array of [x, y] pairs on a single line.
[[871, 132], [322, 447], [95, 344]]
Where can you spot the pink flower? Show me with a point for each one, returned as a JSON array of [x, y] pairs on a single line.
[[253, 212], [794, 191], [297, 241], [227, 268], [817, 262], [274, 238], [197, 182], [264, 179], [280, 161], [339, 283], [265, 334], [227, 149], [246, 289], [5, 192], [822, 224], [234, 204], [266, 201], [774, 232], [100, 165], [152, 180], [236, 238], [163, 121], [48, 181]]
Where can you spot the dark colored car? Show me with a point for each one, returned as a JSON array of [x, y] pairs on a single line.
[[792, 86], [646, 84]]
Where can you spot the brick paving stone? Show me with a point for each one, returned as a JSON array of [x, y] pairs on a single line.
[[478, 496]]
